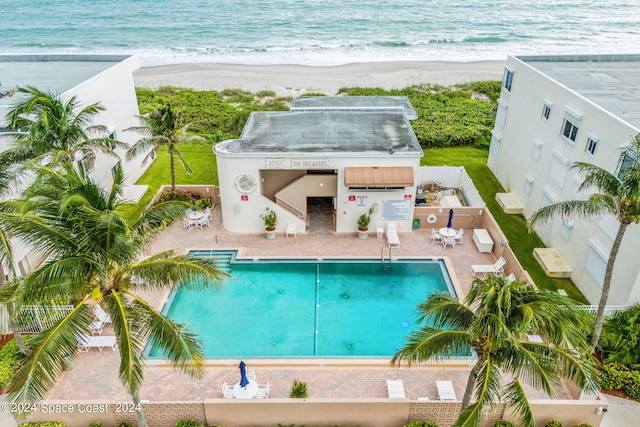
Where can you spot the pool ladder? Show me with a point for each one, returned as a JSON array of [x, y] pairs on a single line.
[[386, 266]]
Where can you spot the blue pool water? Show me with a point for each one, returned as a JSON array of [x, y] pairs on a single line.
[[293, 308]]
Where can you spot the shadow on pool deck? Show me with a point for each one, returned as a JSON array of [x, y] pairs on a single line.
[[95, 374]]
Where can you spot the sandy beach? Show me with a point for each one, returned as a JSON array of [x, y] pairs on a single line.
[[292, 80]]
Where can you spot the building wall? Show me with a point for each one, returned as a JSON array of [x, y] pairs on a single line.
[[531, 158]]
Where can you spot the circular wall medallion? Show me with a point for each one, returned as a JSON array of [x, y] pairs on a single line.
[[245, 183]]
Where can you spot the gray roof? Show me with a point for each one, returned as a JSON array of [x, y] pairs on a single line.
[[306, 103], [327, 133], [54, 73], [609, 81]]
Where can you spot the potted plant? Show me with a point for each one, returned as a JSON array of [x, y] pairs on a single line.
[[363, 225], [270, 220], [298, 390]]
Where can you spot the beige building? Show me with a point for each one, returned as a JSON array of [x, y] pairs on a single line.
[[554, 111], [329, 159]]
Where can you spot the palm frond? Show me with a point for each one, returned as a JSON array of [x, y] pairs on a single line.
[[430, 343], [516, 398], [487, 388]]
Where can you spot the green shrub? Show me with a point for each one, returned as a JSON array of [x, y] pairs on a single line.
[[10, 358], [125, 424], [583, 425], [180, 195], [298, 390], [189, 423], [504, 423], [44, 424], [554, 423], [620, 340], [421, 424], [95, 424], [620, 378], [205, 202]]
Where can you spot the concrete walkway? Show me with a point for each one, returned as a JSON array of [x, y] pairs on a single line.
[[622, 413]]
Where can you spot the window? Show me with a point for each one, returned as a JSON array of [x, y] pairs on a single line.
[[546, 111], [494, 147], [547, 199], [110, 144], [528, 185], [114, 170], [596, 263], [559, 168], [501, 114], [508, 79], [569, 130], [626, 163], [565, 229], [592, 143], [537, 149]]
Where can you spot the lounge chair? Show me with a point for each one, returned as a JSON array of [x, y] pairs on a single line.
[[497, 268], [86, 342], [101, 315], [227, 391], [96, 327], [511, 278], [445, 390], [291, 229], [263, 391], [392, 235], [435, 236], [395, 389]]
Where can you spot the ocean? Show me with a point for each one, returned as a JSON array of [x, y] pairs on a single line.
[[318, 32]]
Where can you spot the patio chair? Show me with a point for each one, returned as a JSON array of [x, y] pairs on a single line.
[[448, 241], [87, 342], [511, 278], [227, 391], [101, 315], [435, 236], [459, 237], [251, 374], [395, 389], [445, 390], [263, 391], [291, 229], [497, 268], [207, 213]]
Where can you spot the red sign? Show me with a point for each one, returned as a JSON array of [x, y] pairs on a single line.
[[352, 198], [407, 196], [244, 198]]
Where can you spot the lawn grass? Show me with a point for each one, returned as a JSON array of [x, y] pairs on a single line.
[[514, 227], [198, 155]]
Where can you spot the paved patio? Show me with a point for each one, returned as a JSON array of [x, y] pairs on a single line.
[[95, 374]]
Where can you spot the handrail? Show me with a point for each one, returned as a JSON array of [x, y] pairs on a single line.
[[299, 214]]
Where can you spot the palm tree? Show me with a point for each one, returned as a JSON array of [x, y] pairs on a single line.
[[162, 128], [94, 257], [492, 321], [51, 132], [617, 195]]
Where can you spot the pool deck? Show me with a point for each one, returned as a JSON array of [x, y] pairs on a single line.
[[95, 374]]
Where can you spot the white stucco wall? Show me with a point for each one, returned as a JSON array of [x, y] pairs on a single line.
[[514, 164]]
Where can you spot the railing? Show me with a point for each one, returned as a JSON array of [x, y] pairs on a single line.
[[290, 208], [37, 318], [609, 310]]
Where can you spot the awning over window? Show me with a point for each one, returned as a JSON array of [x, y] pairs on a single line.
[[379, 177]]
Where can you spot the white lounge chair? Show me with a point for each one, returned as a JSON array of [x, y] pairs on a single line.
[[291, 229], [101, 315], [511, 278], [445, 390], [96, 327], [263, 391], [86, 342], [435, 236], [227, 391], [497, 268], [395, 389], [392, 235]]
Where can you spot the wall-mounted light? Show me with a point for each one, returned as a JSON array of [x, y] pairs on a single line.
[[321, 184], [480, 212], [207, 189]]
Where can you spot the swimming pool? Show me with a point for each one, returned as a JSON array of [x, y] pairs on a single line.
[[302, 308]]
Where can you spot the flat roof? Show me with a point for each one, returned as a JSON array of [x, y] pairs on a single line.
[[305, 103], [326, 132], [609, 81], [54, 73]]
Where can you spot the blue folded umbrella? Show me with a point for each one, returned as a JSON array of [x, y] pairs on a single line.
[[449, 224], [243, 375]]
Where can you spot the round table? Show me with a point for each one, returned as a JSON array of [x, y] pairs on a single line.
[[447, 232], [247, 392]]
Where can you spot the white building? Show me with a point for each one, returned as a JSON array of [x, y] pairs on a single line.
[[103, 79], [338, 156], [554, 111]]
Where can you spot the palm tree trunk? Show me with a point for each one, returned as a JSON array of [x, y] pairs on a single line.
[[173, 170], [16, 333], [142, 422], [468, 391], [606, 284]]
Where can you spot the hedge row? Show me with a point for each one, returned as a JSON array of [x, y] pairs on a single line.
[[620, 378]]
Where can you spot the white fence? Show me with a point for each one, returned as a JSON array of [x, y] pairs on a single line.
[[609, 310], [451, 177], [37, 318]]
